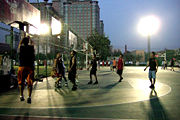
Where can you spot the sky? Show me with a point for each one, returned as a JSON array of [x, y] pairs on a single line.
[[121, 18]]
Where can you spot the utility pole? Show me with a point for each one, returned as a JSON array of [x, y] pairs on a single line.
[[149, 47], [86, 55], [165, 55], [12, 38], [47, 16], [38, 45]]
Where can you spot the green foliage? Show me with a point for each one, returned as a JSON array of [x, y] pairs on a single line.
[[138, 57], [177, 57], [129, 57], [50, 56], [116, 53], [170, 54], [41, 56], [81, 60], [101, 44]]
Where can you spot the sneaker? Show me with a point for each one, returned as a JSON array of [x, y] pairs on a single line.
[[59, 85], [22, 98], [90, 82], [96, 83], [120, 79], [29, 100], [152, 86], [56, 84], [66, 84], [77, 81], [74, 88]]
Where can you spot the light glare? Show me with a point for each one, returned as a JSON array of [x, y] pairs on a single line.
[[56, 26], [148, 25], [44, 29]]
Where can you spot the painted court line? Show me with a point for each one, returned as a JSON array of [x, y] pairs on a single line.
[[56, 117], [90, 106]]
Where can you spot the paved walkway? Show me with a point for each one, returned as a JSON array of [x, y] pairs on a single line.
[[130, 99]]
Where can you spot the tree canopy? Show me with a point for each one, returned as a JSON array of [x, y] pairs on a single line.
[[101, 44]]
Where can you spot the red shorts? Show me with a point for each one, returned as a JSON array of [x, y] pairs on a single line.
[[25, 73], [54, 73], [58, 75]]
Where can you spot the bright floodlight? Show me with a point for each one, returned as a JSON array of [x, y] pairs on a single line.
[[56, 26], [148, 25], [44, 29]]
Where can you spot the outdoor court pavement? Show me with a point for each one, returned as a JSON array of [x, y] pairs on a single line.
[[130, 99]]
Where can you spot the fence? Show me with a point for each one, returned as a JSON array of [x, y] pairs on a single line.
[[46, 48]]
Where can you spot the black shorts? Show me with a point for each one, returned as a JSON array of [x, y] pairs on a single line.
[[72, 76], [93, 72], [114, 66], [61, 72], [119, 72]]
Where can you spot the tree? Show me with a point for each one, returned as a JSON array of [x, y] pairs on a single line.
[[129, 57], [116, 53], [41, 56], [138, 58], [101, 44], [170, 54]]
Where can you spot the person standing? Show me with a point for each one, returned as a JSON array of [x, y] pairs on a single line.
[[111, 65], [26, 67], [107, 63], [64, 74], [103, 63], [99, 64], [73, 70], [172, 64], [153, 67], [165, 65], [60, 71], [114, 64], [93, 70], [120, 67]]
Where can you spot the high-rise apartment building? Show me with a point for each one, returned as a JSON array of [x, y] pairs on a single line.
[[83, 16], [58, 5], [101, 27]]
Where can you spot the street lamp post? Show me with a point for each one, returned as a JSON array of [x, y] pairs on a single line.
[[44, 31], [86, 55], [38, 45], [149, 45], [47, 15], [38, 58], [165, 56], [148, 26], [12, 39]]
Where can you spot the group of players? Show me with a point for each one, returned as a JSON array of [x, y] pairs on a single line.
[[59, 70], [26, 68]]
